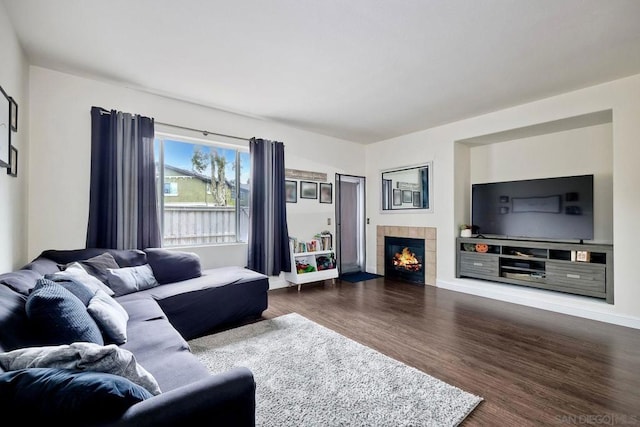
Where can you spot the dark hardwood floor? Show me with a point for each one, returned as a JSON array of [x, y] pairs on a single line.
[[532, 367]]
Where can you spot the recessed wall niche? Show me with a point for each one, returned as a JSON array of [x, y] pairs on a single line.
[[571, 146]]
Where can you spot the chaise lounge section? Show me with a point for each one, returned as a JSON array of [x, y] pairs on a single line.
[[186, 302]]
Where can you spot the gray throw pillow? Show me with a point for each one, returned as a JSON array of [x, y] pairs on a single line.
[[110, 316], [75, 271], [98, 265], [82, 356], [130, 279]]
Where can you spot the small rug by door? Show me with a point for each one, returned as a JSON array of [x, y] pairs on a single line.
[[308, 375], [359, 276]]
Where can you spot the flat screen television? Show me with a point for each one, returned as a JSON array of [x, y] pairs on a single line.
[[558, 208]]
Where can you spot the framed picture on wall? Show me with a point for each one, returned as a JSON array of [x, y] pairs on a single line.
[[5, 128], [13, 158], [397, 197], [308, 190], [326, 192], [416, 199], [291, 191], [13, 120]]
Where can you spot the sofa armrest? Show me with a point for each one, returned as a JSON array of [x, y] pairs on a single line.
[[225, 399]]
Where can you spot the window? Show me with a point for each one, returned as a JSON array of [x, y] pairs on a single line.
[[205, 191], [170, 188]]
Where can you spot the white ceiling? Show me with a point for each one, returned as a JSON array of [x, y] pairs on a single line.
[[361, 70]]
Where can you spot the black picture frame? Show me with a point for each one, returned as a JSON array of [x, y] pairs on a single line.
[[397, 197], [308, 190], [13, 114], [5, 129], [13, 162], [291, 191], [406, 196], [416, 199], [326, 192]]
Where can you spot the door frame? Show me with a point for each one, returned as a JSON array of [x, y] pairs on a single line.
[[362, 245]]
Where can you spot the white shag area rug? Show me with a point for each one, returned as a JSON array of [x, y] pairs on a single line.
[[308, 375]]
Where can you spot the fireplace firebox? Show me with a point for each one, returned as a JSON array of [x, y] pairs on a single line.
[[404, 259]]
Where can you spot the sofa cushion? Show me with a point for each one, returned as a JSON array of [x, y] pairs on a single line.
[[42, 266], [59, 316], [21, 281], [124, 257], [51, 396], [173, 266], [130, 279], [110, 316], [157, 345], [221, 295], [82, 356], [76, 272]]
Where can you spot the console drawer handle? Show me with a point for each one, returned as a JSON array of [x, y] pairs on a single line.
[[477, 264], [573, 276]]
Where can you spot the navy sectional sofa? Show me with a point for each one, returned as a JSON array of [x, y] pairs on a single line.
[[188, 302]]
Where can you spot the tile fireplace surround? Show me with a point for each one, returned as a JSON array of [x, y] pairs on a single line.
[[426, 233]]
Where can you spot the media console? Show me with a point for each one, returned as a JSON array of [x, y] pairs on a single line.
[[546, 265]]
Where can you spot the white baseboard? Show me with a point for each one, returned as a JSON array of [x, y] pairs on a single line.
[[277, 282], [566, 304]]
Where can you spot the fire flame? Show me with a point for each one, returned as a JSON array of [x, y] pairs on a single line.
[[407, 260]]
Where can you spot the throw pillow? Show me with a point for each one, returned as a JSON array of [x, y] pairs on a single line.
[[82, 292], [21, 281], [51, 396], [59, 316], [110, 316], [75, 271], [98, 265], [82, 356], [130, 279], [173, 266]]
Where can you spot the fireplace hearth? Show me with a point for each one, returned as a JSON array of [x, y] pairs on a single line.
[[404, 259]]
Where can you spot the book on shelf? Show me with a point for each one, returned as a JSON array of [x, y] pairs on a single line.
[[320, 242], [326, 240]]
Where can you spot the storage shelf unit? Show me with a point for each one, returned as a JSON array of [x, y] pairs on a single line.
[[544, 265], [312, 267]]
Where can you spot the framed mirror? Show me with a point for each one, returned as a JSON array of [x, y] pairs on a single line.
[[407, 189]]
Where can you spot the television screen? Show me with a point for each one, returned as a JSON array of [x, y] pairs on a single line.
[[549, 208]]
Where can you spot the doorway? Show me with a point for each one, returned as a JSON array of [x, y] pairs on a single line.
[[350, 223]]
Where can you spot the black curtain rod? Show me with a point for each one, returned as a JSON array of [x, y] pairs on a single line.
[[204, 132]]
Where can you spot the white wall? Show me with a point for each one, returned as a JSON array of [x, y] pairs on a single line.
[[587, 150], [452, 179], [13, 191], [60, 159]]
